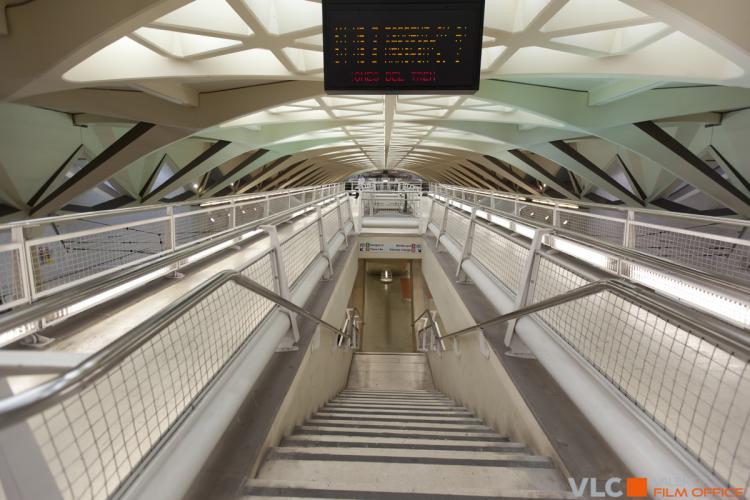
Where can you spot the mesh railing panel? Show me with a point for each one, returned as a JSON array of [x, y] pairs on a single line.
[[197, 226], [345, 214], [536, 212], [299, 250], [250, 212], [436, 217], [610, 231], [11, 284], [457, 227], [76, 257], [503, 258], [693, 389], [729, 258], [279, 204], [94, 439], [505, 205], [330, 224]]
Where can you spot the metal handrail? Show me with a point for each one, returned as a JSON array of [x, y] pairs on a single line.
[[27, 313], [733, 339], [210, 202], [666, 266], [37, 399], [547, 201]]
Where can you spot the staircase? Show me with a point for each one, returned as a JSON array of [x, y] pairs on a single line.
[[391, 435]]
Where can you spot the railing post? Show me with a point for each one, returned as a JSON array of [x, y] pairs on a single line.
[[443, 223], [423, 230], [342, 229], [323, 242], [289, 342], [268, 205], [172, 233], [556, 215], [526, 291], [24, 261], [24, 472], [466, 252], [628, 238]]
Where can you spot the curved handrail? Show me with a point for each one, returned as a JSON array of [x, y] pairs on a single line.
[[32, 401], [28, 313], [732, 338]]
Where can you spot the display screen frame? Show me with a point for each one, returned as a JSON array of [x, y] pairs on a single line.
[[335, 85]]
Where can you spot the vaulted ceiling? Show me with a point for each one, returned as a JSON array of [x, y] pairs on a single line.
[[106, 104]]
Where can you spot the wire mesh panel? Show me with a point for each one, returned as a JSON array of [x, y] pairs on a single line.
[[503, 258], [691, 387], [197, 226], [723, 256], [457, 227], [58, 261], [247, 213], [436, 217], [330, 224], [11, 284], [345, 213], [605, 229], [505, 205], [94, 439], [536, 212], [299, 251], [278, 204]]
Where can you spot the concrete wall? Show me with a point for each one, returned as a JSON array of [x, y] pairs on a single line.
[[470, 372], [324, 369]]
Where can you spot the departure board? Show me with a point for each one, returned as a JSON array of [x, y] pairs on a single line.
[[402, 46]]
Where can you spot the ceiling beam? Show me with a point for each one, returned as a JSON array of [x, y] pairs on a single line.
[[176, 180]]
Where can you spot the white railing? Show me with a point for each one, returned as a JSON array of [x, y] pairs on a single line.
[[50, 255], [391, 186], [716, 245], [45, 257], [387, 203], [691, 383], [699, 289], [87, 432]]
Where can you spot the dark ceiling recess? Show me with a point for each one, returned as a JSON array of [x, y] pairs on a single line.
[[398, 46]]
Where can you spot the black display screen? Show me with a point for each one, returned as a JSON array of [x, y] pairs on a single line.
[[394, 46]]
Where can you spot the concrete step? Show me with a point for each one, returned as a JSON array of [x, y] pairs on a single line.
[[398, 426], [374, 403], [452, 452], [397, 433], [270, 488], [411, 474], [425, 419], [403, 441], [411, 456], [390, 372], [458, 410]]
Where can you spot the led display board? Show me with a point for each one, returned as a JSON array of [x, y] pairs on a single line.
[[402, 46]]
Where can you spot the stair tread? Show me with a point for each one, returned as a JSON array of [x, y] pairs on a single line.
[[407, 426], [406, 440], [361, 449], [390, 491], [417, 477]]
